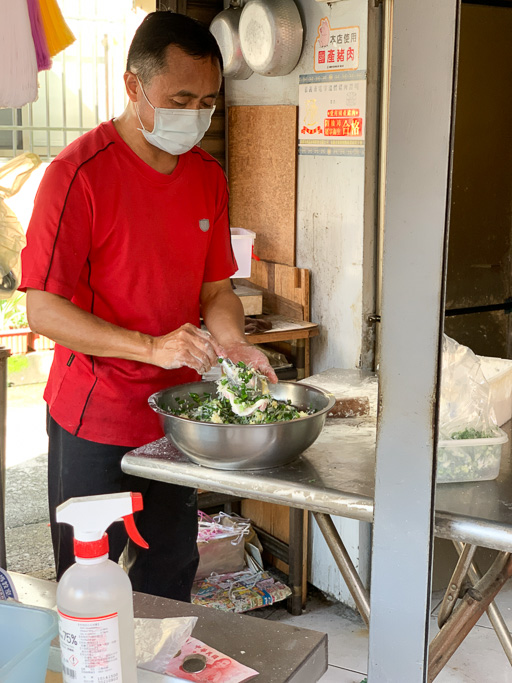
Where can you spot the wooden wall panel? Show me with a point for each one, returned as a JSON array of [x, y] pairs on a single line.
[[274, 519], [286, 288], [262, 165]]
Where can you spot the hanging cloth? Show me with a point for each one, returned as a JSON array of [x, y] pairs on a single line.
[[18, 73], [44, 61], [58, 33]]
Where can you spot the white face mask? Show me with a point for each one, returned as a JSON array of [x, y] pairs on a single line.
[[176, 131]]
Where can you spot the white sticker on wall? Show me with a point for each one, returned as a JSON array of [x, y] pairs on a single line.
[[336, 49], [332, 113]]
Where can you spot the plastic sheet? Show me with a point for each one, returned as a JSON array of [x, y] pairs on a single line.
[[12, 237], [465, 407], [157, 641]]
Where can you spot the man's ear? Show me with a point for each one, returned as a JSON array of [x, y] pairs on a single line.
[[132, 85]]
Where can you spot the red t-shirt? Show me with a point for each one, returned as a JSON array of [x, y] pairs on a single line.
[[133, 246]]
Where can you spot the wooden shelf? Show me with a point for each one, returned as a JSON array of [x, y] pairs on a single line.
[[301, 330]]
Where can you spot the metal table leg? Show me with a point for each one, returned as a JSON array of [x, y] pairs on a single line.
[[501, 629], [296, 560], [468, 612], [453, 591], [462, 619], [301, 362], [4, 355], [495, 617], [345, 565]]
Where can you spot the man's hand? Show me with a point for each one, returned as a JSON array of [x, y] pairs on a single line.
[[224, 317], [250, 355], [186, 346]]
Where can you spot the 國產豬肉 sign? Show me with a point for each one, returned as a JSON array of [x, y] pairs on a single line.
[[336, 49]]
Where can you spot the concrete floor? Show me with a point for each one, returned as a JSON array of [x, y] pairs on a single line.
[[28, 540], [479, 660]]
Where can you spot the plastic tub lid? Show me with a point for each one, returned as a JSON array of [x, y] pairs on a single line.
[[242, 232]]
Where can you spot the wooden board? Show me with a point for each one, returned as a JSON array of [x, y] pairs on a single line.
[[262, 165], [285, 293], [251, 298], [285, 288]]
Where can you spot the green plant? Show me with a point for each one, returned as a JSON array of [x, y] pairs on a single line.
[[17, 363], [13, 314]]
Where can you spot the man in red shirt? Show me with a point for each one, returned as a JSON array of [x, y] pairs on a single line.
[[128, 245]]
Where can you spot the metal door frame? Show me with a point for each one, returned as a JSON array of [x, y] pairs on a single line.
[[422, 48]]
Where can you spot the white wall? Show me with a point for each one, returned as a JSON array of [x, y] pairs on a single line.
[[330, 243]]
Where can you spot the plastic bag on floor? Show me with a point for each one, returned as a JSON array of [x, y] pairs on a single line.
[[220, 542]]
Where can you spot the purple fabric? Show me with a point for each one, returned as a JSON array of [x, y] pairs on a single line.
[[44, 61]]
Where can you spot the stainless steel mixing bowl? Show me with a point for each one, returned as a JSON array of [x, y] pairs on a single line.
[[244, 447]]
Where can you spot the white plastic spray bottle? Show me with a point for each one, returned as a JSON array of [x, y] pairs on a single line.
[[94, 596]]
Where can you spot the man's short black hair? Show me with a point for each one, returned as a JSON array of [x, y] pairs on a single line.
[[146, 56]]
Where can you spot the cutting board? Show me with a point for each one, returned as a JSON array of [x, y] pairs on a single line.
[[262, 169]]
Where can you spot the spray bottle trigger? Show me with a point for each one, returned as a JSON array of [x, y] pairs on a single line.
[[137, 503], [133, 532]]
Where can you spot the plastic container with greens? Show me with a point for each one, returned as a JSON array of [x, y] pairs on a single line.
[[470, 441], [470, 456]]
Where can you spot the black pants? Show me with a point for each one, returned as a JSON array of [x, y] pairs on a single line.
[[168, 522]]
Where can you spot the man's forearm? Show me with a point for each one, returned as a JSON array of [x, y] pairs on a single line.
[[57, 318], [223, 315]]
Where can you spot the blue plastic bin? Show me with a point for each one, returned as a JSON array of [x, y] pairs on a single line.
[[25, 637]]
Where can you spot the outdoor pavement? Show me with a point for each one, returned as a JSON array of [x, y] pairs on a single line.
[[28, 540]]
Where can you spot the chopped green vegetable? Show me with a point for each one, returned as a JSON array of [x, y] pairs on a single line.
[[470, 433], [468, 462], [219, 408]]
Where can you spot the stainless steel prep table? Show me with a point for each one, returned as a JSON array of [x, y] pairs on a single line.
[[281, 653], [336, 476]]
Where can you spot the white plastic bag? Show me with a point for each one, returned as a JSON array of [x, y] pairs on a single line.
[[157, 641], [13, 175], [465, 406]]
